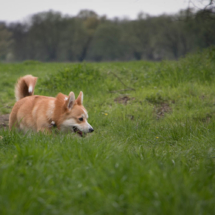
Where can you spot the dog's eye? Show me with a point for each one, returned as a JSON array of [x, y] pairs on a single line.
[[81, 119]]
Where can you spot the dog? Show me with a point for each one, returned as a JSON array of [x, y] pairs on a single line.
[[42, 113]]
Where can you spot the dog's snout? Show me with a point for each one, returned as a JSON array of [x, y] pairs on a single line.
[[91, 130]]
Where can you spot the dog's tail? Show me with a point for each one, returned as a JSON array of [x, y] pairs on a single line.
[[25, 86]]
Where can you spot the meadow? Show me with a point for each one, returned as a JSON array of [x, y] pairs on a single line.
[[152, 151]]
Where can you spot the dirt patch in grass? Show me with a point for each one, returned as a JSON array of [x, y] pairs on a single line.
[[4, 120], [123, 99], [206, 119], [162, 109], [161, 105]]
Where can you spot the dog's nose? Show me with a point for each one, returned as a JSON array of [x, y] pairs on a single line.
[[91, 130]]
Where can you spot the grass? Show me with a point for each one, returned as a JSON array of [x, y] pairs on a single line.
[[152, 151]]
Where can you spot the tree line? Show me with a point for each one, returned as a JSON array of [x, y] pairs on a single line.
[[51, 36]]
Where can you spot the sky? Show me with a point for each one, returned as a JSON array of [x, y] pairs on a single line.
[[21, 10]]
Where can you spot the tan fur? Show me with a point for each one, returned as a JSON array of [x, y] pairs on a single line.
[[22, 86], [38, 113]]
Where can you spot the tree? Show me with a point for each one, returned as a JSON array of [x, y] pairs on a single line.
[[106, 43], [90, 22], [44, 36], [19, 34], [5, 41]]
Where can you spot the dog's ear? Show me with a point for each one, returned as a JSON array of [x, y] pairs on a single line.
[[70, 101], [79, 100]]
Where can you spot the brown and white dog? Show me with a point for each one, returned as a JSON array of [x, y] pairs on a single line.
[[41, 113]]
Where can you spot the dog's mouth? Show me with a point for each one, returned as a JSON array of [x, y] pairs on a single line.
[[76, 130]]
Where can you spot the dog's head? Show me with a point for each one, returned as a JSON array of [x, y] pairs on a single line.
[[74, 118]]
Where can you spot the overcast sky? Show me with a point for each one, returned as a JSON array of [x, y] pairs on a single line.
[[19, 10]]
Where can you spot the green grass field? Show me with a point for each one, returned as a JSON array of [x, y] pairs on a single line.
[[152, 152]]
